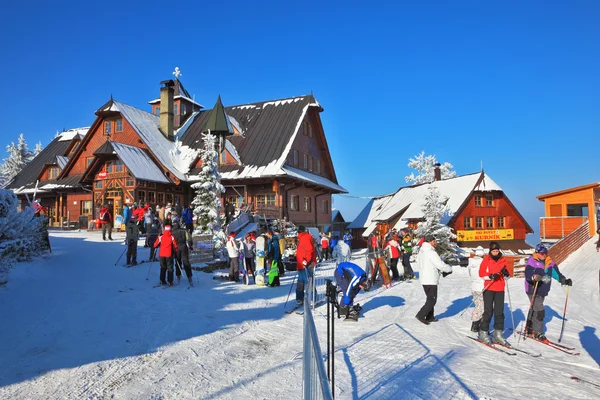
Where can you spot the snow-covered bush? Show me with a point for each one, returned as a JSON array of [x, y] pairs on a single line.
[[436, 211], [22, 234]]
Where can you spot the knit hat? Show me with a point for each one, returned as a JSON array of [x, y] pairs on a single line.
[[167, 227], [479, 251], [301, 228], [494, 245]]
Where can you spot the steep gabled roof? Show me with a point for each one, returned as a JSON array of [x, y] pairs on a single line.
[[25, 181], [373, 207], [174, 157], [139, 163]]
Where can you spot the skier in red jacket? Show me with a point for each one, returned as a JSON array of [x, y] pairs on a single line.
[[493, 271], [167, 248], [306, 260]]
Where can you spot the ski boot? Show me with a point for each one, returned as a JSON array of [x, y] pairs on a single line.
[[498, 338], [540, 336], [484, 337], [352, 315], [475, 326], [191, 282]]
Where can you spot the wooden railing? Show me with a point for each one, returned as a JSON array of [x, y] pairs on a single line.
[[574, 240], [559, 227]]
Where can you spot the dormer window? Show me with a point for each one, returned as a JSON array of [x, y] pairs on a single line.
[[119, 125], [53, 172], [157, 111], [183, 109], [175, 109], [107, 127], [223, 157]]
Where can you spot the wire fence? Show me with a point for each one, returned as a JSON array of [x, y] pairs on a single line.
[[314, 377]]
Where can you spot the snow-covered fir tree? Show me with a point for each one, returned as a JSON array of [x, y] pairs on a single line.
[[18, 156], [22, 234], [38, 149], [435, 212], [425, 166], [207, 203]]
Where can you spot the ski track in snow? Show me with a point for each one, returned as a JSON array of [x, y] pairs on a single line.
[[77, 327]]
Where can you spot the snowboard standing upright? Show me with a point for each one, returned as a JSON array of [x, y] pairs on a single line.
[[259, 274], [379, 263]]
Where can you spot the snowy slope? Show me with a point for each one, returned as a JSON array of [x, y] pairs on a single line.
[[75, 326]]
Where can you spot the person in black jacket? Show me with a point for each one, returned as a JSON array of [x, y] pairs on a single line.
[[184, 240], [132, 235]]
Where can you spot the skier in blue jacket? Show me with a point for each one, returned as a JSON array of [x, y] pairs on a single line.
[[350, 279]]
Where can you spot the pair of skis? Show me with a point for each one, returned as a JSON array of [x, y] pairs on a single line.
[[556, 346], [508, 350], [131, 265]]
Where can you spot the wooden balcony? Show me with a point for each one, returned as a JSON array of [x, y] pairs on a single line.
[[556, 228]]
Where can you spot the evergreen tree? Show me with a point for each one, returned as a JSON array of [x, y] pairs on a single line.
[[425, 166], [435, 211], [208, 192], [38, 149], [18, 156], [22, 235]]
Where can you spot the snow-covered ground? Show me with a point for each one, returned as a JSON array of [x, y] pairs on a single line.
[[75, 326]]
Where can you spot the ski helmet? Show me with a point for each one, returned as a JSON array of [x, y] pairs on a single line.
[[540, 248]]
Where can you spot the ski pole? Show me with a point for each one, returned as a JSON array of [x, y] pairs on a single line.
[[562, 329], [290, 292], [530, 313], [149, 267], [121, 256], [473, 301], [510, 305]]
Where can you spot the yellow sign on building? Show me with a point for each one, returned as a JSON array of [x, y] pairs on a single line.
[[488, 234]]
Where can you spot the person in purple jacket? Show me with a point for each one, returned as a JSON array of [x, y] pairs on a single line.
[[539, 271]]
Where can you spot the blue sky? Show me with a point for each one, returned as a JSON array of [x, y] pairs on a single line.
[[512, 84]]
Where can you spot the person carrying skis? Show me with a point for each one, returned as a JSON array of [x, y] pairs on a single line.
[[430, 266], [493, 271], [393, 247], [132, 235], [350, 278], [306, 260], [476, 288], [233, 251], [182, 257], [167, 248], [106, 219], [539, 271], [274, 258], [407, 247]]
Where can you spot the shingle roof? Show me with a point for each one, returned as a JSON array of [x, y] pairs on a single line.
[[139, 163]]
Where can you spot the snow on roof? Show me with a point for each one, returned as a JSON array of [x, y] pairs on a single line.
[[177, 97], [234, 122], [233, 151], [71, 133], [313, 178], [373, 207], [171, 155], [139, 163], [411, 199], [179, 132], [61, 161]]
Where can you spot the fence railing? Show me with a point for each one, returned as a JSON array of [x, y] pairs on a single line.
[[558, 227], [314, 377]]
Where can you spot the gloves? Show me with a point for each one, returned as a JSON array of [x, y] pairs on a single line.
[[304, 263], [546, 279], [445, 274], [505, 272], [536, 278], [494, 277], [565, 281]]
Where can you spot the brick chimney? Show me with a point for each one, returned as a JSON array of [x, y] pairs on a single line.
[[166, 108], [437, 173]]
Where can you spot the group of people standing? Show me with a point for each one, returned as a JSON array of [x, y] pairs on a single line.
[[489, 274], [397, 246]]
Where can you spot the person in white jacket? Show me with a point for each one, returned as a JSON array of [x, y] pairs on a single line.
[[476, 288], [233, 251], [430, 265], [341, 252]]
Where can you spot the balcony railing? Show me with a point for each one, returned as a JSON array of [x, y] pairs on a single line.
[[556, 228]]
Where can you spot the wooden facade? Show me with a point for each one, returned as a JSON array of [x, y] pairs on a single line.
[[567, 209]]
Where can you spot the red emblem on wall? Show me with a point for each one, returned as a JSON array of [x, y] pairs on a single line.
[[102, 175]]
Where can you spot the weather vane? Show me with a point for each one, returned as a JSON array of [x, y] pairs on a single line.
[[177, 73]]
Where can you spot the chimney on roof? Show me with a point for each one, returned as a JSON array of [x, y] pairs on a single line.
[[437, 172], [167, 91]]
